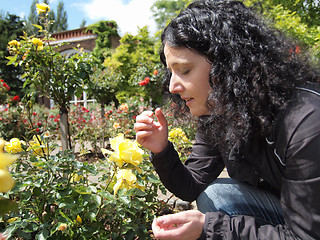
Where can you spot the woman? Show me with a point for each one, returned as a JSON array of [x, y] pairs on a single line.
[[258, 109]]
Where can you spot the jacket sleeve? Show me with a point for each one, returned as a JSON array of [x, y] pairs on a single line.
[[300, 191], [188, 180]]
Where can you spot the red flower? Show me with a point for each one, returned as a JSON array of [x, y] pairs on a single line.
[[16, 98], [1, 80], [6, 86], [52, 116], [39, 124], [34, 113], [145, 81], [37, 129]]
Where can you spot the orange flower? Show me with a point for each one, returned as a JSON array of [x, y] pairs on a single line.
[[116, 125]]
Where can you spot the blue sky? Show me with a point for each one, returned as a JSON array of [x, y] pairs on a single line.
[[129, 14]]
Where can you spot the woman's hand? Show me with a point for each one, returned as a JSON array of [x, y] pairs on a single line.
[[185, 225], [150, 134]]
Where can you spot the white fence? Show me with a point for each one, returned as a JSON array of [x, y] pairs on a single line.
[[85, 100]]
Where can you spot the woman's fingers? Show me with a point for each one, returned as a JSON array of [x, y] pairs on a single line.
[[161, 118]]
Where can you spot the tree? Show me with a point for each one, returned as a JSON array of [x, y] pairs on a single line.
[[165, 10], [135, 63], [57, 23], [11, 27], [105, 30], [59, 77], [307, 10], [61, 22], [299, 22], [32, 19], [83, 23]]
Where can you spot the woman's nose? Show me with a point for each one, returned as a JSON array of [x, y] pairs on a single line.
[[175, 85]]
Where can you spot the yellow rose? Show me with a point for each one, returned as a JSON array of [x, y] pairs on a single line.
[[177, 134], [38, 43], [125, 179], [14, 146], [42, 8], [125, 151], [6, 181], [14, 43]]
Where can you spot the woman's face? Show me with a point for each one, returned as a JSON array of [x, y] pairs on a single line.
[[189, 77]]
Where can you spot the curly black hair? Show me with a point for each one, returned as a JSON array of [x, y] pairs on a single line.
[[255, 68]]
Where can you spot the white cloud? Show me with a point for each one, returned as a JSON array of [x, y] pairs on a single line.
[[128, 16]]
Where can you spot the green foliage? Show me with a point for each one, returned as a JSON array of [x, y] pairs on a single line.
[[105, 31], [61, 22], [134, 60], [57, 76], [11, 27], [296, 18], [60, 197], [165, 10], [307, 10]]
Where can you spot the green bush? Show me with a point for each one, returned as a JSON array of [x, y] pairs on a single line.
[[60, 197]]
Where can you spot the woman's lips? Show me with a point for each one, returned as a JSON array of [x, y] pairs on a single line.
[[188, 101]]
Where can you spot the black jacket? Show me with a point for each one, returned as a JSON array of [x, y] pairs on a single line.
[[288, 160]]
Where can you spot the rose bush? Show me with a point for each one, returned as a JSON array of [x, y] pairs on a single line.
[[62, 198]]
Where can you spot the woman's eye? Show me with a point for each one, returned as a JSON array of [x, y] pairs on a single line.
[[186, 72]]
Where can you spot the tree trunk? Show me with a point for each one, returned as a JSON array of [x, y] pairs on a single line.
[[64, 128], [103, 121]]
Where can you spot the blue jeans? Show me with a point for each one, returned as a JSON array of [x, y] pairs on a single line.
[[234, 198]]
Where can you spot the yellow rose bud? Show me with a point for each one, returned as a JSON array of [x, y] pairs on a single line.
[[11, 220], [62, 227], [6, 181], [79, 220], [42, 8]]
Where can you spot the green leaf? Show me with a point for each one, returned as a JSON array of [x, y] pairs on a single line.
[[136, 192], [65, 216], [43, 234], [82, 189], [152, 179], [37, 26], [7, 205], [11, 59]]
